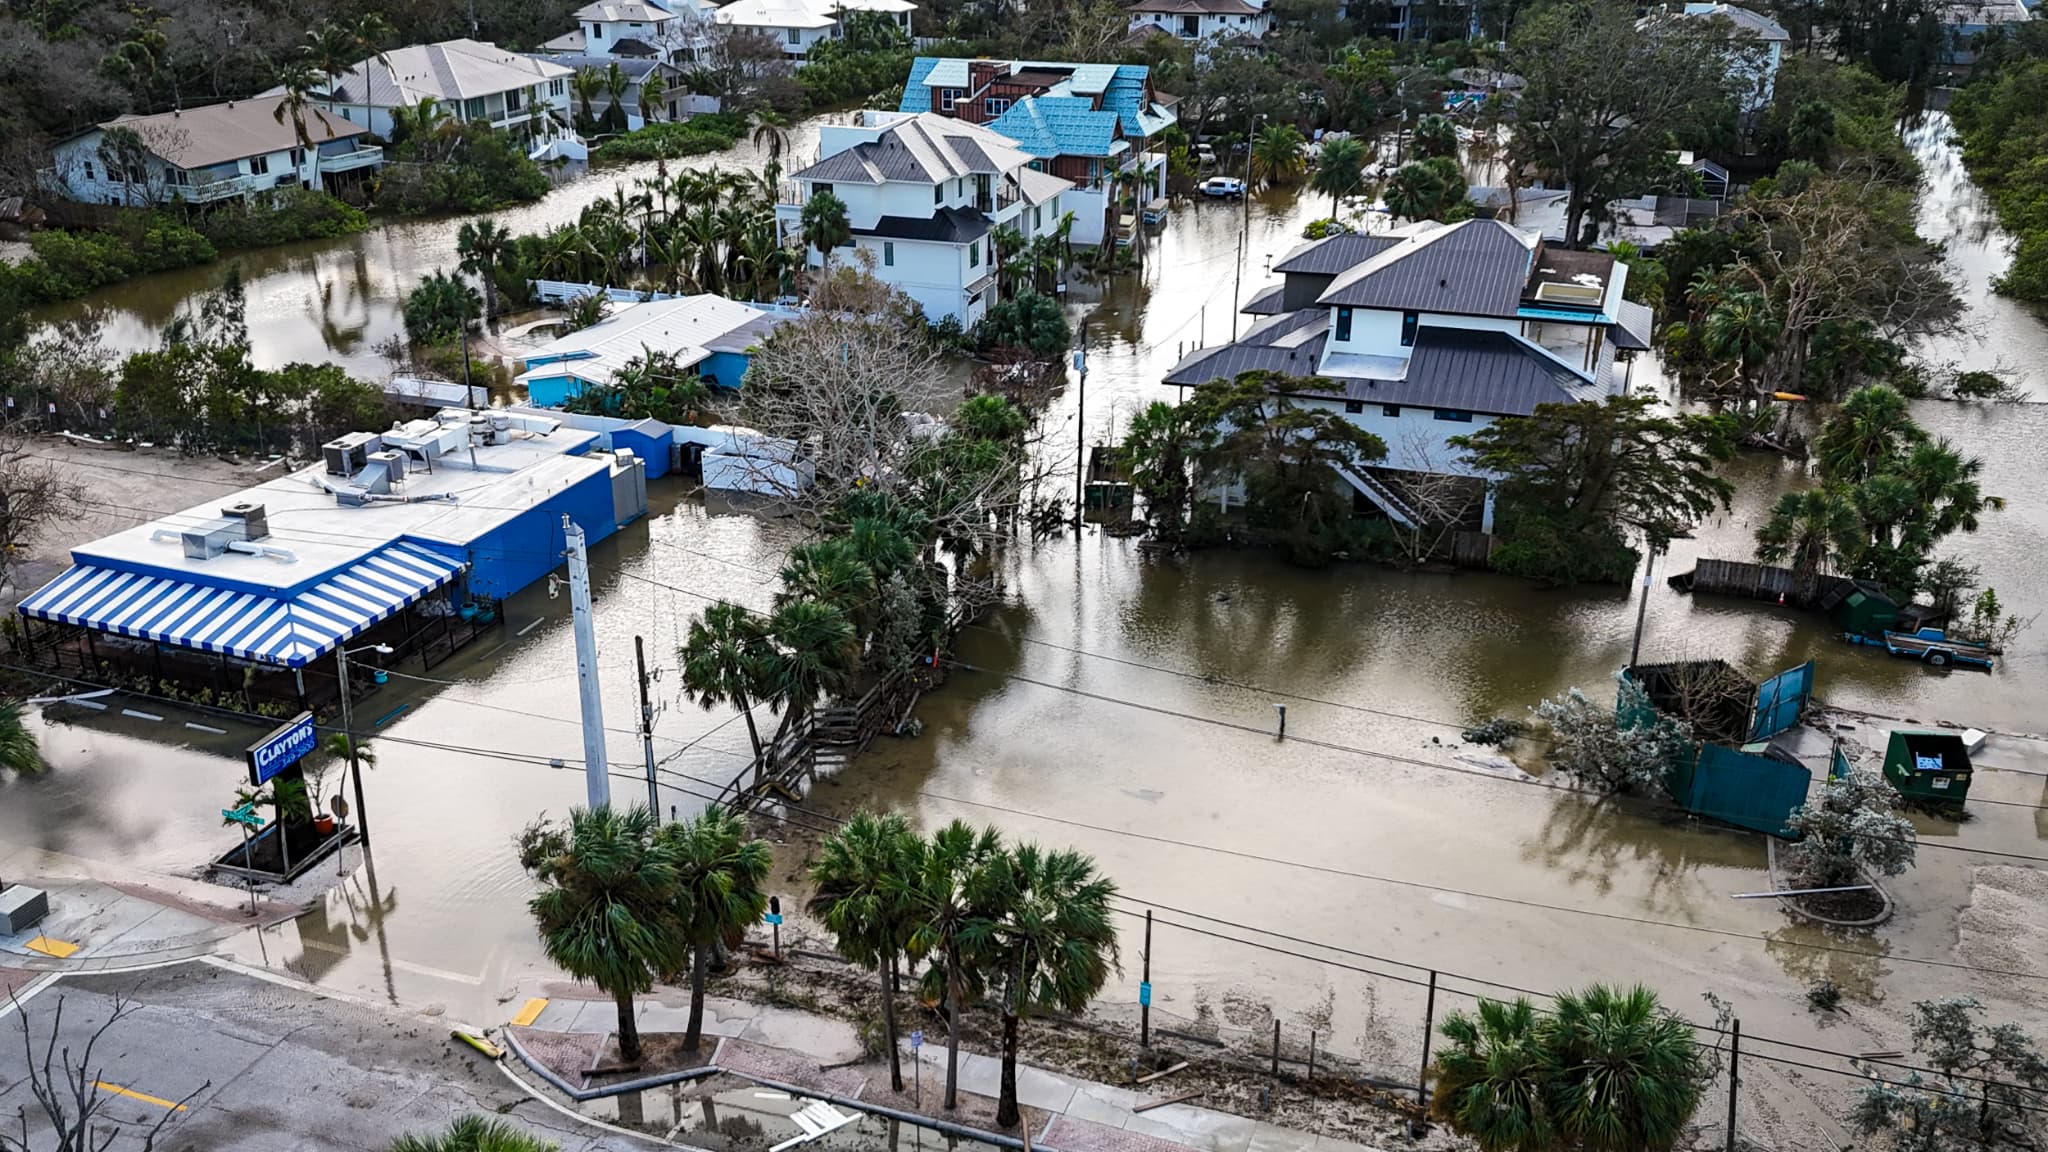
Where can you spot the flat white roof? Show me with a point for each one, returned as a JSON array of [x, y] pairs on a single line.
[[688, 328], [322, 534]]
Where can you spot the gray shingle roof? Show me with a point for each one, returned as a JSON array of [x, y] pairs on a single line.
[[1473, 371], [1333, 254], [926, 149], [1476, 268], [1291, 344]]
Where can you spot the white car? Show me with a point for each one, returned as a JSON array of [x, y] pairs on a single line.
[[1223, 187]]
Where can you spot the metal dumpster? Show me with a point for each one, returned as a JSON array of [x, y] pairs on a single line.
[[1928, 766]]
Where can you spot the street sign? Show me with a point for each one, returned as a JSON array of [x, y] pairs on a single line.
[[1145, 994], [284, 747], [916, 1039], [772, 918], [246, 815]]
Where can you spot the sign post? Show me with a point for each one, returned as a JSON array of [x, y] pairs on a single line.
[[917, 1065], [285, 746], [774, 921], [246, 817]]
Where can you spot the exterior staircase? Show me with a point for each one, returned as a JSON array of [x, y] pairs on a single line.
[[1377, 491]]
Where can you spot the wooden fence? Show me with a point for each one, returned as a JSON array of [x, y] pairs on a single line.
[[1738, 578], [826, 740]]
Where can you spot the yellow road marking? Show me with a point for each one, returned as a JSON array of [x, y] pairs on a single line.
[[530, 1013], [61, 949], [117, 1090]]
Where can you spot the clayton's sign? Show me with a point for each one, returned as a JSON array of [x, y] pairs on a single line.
[[281, 749]]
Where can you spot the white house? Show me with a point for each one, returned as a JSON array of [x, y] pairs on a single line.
[[1429, 332], [706, 334], [676, 101], [666, 30], [469, 79], [923, 193], [1764, 40], [203, 155], [1215, 21], [798, 24]]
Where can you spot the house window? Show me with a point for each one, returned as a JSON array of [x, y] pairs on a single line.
[[1354, 407], [1038, 217], [793, 36], [974, 254], [298, 157], [179, 177], [821, 189], [473, 109], [938, 193], [1391, 410], [1408, 322], [888, 253], [1344, 324], [947, 97], [556, 88], [88, 171], [512, 100], [259, 165], [995, 106], [1455, 415], [345, 115]]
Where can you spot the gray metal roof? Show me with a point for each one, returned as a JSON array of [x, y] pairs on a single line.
[[945, 226], [1333, 254], [1475, 268], [1271, 302], [1635, 327], [1473, 371], [926, 148], [1291, 344]]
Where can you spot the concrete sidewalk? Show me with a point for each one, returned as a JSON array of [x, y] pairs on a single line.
[[809, 1051]]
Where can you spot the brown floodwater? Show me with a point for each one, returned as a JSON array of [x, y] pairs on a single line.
[[1093, 711]]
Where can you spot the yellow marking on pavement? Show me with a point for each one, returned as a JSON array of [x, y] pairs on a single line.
[[61, 949], [117, 1090], [530, 1013]]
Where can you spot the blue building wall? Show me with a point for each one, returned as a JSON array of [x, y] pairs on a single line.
[[650, 440], [724, 369], [552, 391], [529, 546]]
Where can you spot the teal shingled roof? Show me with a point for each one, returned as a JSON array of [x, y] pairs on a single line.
[[1048, 126], [1120, 86]]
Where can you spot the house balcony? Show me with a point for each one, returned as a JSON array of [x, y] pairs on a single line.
[[789, 192], [218, 189], [369, 155]]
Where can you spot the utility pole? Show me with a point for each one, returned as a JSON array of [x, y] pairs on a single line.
[[1635, 649], [1145, 989], [597, 783], [1244, 233], [647, 727], [1080, 428]]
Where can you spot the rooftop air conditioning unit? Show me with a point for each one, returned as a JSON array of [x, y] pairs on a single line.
[[255, 524], [346, 455]]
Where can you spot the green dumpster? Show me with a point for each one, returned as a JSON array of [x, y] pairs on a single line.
[[1928, 767]]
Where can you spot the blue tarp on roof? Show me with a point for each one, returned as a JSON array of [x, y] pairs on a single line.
[[291, 631], [1048, 126]]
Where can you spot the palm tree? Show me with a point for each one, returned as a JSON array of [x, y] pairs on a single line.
[[440, 308], [725, 661], [372, 32], [608, 911], [829, 571], [816, 652], [300, 82], [422, 121], [863, 877], [1051, 945], [718, 890], [19, 752], [1276, 154], [771, 134], [585, 85], [825, 224], [1625, 1074], [1436, 136], [1871, 428], [652, 90], [482, 244], [946, 913], [1742, 328], [616, 82], [1489, 1078], [1340, 170], [1809, 529], [475, 1133], [333, 50], [563, 251]]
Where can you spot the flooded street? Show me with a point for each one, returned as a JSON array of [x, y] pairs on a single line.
[[1094, 713]]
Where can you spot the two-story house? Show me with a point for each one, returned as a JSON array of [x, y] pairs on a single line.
[[797, 25], [1760, 42], [676, 101], [209, 154], [1434, 331], [468, 79], [924, 194], [665, 30], [1096, 125], [1205, 21]]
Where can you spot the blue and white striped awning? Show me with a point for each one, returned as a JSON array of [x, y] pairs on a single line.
[[291, 631]]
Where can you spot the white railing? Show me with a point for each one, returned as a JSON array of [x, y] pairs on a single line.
[[564, 291]]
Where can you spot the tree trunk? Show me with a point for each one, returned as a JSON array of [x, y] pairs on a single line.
[[629, 1029], [694, 1035], [1006, 1104], [888, 971], [952, 1030], [753, 733]]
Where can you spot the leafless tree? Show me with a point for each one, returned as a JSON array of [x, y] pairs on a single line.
[[1442, 500], [32, 495], [67, 1092]]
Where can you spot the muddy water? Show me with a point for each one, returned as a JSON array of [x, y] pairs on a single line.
[[1093, 716], [337, 300]]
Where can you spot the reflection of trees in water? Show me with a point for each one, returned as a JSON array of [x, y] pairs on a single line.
[[1853, 959], [345, 336], [348, 916], [1587, 840]]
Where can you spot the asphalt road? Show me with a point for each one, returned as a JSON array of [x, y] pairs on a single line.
[[267, 1068]]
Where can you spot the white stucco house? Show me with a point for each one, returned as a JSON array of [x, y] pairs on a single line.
[[205, 155], [665, 30], [797, 25], [1212, 21], [1764, 41], [923, 194], [469, 79], [1429, 332]]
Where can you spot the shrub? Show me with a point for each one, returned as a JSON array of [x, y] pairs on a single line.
[[287, 215], [471, 168], [1625, 749], [67, 265], [1027, 320], [710, 132]]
